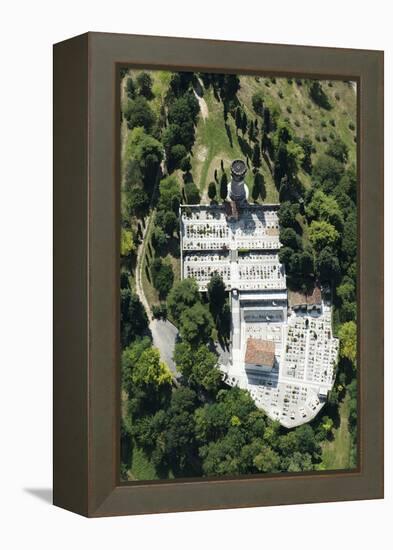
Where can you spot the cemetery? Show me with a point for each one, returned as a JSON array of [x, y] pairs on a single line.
[[282, 351]]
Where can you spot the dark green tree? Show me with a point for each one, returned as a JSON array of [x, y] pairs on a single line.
[[216, 294], [256, 156], [224, 186], [327, 266], [338, 150], [130, 88], [144, 83], [192, 193], [183, 296], [212, 190], [196, 324], [138, 113]]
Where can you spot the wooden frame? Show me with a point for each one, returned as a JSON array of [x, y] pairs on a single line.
[[86, 313]]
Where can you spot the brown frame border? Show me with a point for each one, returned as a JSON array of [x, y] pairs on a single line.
[[86, 282]]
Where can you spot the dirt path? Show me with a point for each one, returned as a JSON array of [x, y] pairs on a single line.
[[202, 103], [138, 270]]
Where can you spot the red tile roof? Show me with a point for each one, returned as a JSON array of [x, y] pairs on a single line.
[[260, 352]]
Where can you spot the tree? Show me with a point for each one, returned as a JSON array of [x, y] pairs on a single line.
[[287, 214], [323, 234], [324, 207], [327, 172], [130, 88], [159, 239], [216, 294], [349, 238], [138, 113], [146, 152], [185, 164], [251, 131], [162, 276], [318, 95], [338, 150], [170, 195], [129, 359], [196, 324], [133, 318], [212, 190], [285, 255], [179, 438], [238, 118], [137, 202], [267, 121], [127, 245], [198, 366], [192, 193], [149, 370], [258, 189], [267, 460], [144, 83], [257, 103], [346, 293], [301, 266], [256, 156], [244, 123], [176, 155], [347, 334], [167, 220], [183, 295], [307, 147], [327, 266], [289, 238], [230, 86], [224, 186]]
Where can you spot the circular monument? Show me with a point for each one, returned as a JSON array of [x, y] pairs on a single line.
[[237, 189]]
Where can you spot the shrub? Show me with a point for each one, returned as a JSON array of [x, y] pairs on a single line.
[[337, 96], [280, 94], [351, 126], [332, 122], [289, 109]]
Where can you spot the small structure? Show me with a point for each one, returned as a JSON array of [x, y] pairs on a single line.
[[260, 355], [237, 189], [307, 302]]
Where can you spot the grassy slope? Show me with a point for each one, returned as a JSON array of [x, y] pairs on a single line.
[[336, 453], [213, 144]]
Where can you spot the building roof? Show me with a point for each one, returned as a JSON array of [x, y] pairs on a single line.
[[297, 299], [260, 352]]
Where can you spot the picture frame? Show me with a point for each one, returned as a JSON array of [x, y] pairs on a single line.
[[86, 412]]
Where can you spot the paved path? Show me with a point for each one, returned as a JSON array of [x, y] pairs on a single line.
[[164, 338]]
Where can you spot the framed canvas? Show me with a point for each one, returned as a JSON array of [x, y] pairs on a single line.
[[218, 274]]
